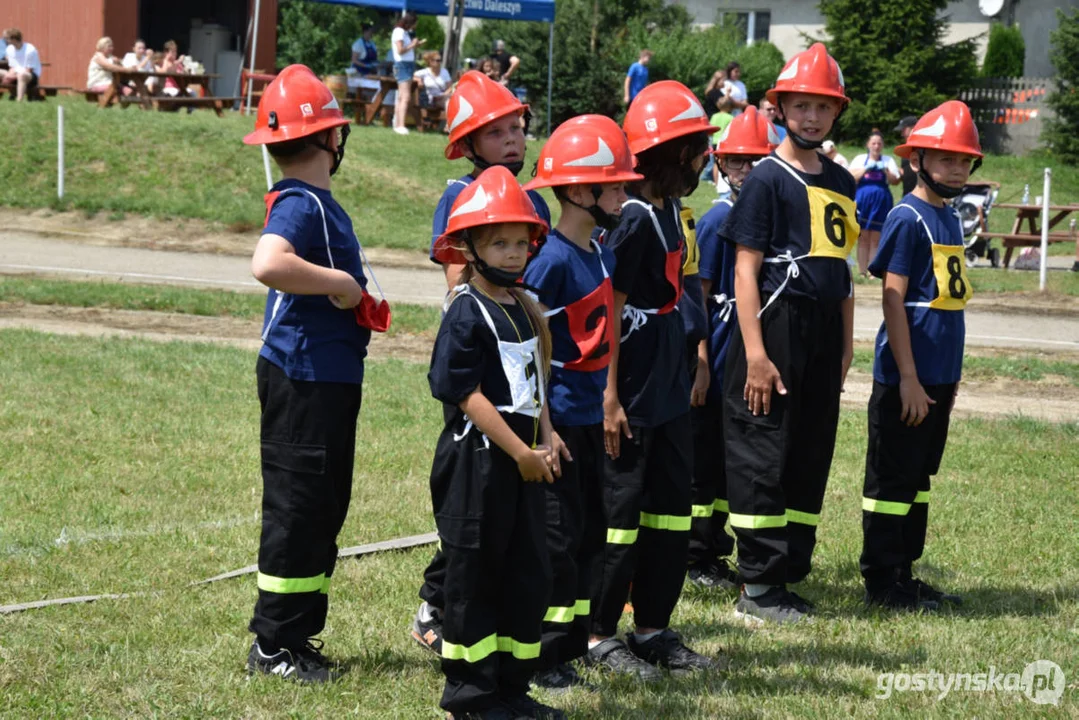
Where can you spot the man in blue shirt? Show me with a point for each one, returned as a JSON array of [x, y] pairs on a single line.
[[636, 77]]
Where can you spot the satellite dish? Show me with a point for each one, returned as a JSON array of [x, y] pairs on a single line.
[[990, 8]]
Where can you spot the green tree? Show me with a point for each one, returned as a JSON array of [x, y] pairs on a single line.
[[319, 35], [1005, 53], [894, 59], [1059, 131]]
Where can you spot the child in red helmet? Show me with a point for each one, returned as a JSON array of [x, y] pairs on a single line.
[[919, 356], [318, 322], [488, 368], [745, 140], [646, 422], [487, 125], [587, 162], [793, 227]]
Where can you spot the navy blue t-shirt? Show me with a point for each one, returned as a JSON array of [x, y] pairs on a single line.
[[445, 205], [307, 336], [653, 385], [717, 266], [937, 337], [562, 274], [772, 215]]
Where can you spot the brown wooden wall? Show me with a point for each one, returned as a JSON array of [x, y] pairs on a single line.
[[64, 33]]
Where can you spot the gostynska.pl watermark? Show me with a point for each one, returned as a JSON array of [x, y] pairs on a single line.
[[1042, 681]]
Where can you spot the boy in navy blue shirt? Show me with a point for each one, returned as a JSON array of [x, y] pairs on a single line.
[[919, 357], [587, 161], [318, 322], [487, 125], [744, 141]]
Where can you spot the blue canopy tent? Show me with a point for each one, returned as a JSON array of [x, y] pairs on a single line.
[[528, 10]]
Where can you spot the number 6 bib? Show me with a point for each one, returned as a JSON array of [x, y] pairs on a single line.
[[834, 229]]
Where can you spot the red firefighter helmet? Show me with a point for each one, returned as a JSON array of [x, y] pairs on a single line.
[[663, 111], [751, 133], [811, 71], [587, 149], [478, 100], [947, 127], [294, 105]]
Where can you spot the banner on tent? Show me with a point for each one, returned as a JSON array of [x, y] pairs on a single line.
[[533, 10]]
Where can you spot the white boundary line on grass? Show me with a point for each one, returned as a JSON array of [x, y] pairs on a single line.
[[141, 276], [402, 543], [1032, 342]]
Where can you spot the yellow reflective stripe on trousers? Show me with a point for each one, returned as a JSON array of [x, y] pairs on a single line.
[[621, 537], [470, 653], [286, 586], [922, 496], [325, 589], [758, 522], [559, 615], [721, 506], [519, 650], [583, 607], [701, 511], [885, 507], [803, 518], [676, 523]]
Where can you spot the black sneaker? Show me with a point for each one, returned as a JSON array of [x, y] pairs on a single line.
[[428, 634], [775, 606], [305, 664], [613, 655], [560, 678], [1075, 266], [899, 596], [713, 577], [667, 650], [806, 606], [526, 706], [925, 591]]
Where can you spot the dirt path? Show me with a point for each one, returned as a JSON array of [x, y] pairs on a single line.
[[1052, 399]]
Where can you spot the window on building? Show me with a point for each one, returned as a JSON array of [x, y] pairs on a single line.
[[753, 25]]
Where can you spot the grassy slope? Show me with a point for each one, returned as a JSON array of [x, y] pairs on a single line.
[[112, 445], [179, 165]]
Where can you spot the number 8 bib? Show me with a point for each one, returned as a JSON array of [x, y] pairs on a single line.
[[949, 271]]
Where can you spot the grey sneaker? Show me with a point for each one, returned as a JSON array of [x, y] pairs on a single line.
[[560, 679], [613, 655], [428, 633], [305, 664], [776, 606], [714, 577]]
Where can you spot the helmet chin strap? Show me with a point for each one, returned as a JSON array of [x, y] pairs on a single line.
[[482, 163], [945, 191], [797, 139], [495, 276], [602, 218], [735, 187], [339, 153]]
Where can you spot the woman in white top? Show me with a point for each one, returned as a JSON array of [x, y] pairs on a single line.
[[436, 80], [404, 67], [735, 89], [140, 58], [102, 65], [874, 172]]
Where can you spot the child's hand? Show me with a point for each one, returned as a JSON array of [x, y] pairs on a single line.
[[350, 297], [559, 452], [615, 424], [533, 464], [915, 402], [761, 376], [701, 382]]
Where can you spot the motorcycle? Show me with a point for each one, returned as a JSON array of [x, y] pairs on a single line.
[[974, 204]]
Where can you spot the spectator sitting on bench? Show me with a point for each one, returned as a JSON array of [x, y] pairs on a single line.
[[24, 65], [140, 58], [365, 52], [173, 63], [436, 81], [102, 65]]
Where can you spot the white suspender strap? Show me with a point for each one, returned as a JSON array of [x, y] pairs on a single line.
[[929, 233], [724, 306], [602, 266], [655, 220], [786, 166]]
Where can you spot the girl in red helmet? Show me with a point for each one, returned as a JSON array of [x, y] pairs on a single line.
[[318, 322], [587, 162], [919, 356], [747, 139], [646, 422], [496, 450], [793, 228], [487, 125]]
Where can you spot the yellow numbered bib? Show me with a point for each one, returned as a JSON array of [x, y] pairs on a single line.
[[953, 285], [833, 227], [691, 266]]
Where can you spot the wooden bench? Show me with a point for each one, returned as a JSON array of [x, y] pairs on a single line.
[[431, 118], [38, 92], [217, 104], [92, 95], [1014, 240]]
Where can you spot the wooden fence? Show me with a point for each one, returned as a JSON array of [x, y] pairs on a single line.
[[1009, 112]]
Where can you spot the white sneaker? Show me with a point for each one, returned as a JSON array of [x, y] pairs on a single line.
[[401, 130]]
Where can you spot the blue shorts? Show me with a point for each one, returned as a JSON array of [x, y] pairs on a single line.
[[873, 204], [403, 71]]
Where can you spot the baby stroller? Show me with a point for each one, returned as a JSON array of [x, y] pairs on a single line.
[[973, 206]]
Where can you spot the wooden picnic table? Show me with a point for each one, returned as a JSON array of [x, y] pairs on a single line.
[[386, 84], [1032, 236], [149, 99]]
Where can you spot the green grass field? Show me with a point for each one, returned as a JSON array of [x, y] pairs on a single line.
[[175, 165], [128, 465]]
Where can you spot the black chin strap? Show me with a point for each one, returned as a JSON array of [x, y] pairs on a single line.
[[482, 163], [495, 276], [797, 139], [945, 191], [735, 187], [339, 154], [602, 218]]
